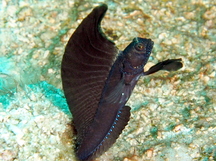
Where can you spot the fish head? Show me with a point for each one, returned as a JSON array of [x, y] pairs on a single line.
[[136, 55]]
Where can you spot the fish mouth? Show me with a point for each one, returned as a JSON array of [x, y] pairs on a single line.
[[137, 67], [132, 70]]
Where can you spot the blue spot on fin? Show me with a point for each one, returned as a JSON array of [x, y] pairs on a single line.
[[114, 132]]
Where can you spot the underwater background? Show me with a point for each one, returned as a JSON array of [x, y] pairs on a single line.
[[173, 115]]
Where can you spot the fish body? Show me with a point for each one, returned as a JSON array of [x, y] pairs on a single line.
[[97, 84], [118, 87]]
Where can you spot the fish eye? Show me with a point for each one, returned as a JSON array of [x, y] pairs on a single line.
[[139, 46]]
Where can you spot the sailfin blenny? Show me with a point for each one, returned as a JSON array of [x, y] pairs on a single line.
[[98, 80]]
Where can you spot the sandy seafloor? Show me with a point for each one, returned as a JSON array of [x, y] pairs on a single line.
[[173, 115]]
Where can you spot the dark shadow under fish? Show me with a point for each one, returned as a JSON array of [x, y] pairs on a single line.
[[97, 85]]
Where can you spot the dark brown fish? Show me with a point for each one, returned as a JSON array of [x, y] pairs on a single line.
[[97, 84]]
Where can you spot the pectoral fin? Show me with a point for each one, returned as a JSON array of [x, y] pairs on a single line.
[[169, 65]]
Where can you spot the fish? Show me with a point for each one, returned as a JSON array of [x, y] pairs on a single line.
[[98, 79]]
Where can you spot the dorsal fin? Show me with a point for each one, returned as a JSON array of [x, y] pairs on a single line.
[[86, 63]]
